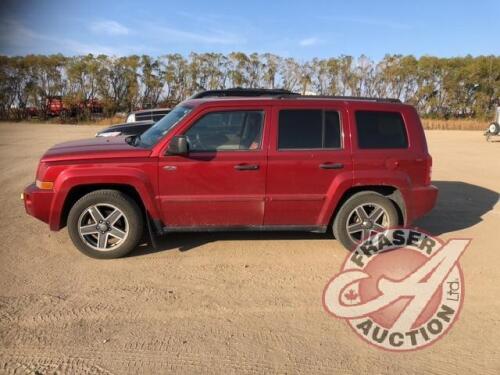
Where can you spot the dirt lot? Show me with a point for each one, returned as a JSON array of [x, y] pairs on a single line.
[[228, 303]]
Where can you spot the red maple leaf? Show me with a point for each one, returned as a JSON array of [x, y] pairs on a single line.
[[351, 295]]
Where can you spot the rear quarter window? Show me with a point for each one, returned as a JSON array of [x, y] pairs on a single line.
[[381, 130]]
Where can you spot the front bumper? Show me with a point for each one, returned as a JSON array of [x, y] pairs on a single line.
[[423, 199], [37, 202]]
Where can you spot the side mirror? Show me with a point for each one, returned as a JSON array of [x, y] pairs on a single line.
[[178, 146]]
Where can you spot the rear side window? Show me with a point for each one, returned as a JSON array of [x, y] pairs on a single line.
[[379, 130], [308, 129]]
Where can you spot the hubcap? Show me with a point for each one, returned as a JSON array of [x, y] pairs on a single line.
[[365, 220], [103, 227]]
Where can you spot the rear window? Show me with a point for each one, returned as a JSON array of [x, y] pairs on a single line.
[[379, 130], [143, 116], [309, 129]]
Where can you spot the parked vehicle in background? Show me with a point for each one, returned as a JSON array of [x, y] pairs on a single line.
[[272, 161], [494, 127], [128, 128], [148, 114], [55, 106]]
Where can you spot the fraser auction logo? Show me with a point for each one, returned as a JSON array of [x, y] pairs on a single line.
[[400, 289]]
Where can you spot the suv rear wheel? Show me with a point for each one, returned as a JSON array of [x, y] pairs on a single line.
[[361, 216], [105, 224]]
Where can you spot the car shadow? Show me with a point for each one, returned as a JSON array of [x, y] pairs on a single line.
[[459, 205], [189, 241]]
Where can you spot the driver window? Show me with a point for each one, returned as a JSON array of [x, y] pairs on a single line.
[[227, 131]]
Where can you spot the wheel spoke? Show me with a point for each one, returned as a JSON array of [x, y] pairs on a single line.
[[113, 216], [118, 233], [360, 211], [88, 229], [96, 214], [102, 240], [378, 227], [376, 214], [354, 228], [366, 234]]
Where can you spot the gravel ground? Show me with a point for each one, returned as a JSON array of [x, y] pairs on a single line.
[[228, 302]]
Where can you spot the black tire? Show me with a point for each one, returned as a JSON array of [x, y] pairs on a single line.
[[130, 212], [366, 197]]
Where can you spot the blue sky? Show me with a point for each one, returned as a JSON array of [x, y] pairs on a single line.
[[299, 29]]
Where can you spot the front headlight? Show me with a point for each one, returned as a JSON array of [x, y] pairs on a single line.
[[41, 170], [108, 134], [40, 179]]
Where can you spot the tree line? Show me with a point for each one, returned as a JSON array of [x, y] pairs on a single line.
[[458, 87]]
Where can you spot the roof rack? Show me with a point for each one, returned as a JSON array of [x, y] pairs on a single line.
[[340, 97], [281, 94], [239, 91]]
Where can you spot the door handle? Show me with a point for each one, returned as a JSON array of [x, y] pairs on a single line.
[[331, 166], [246, 167]]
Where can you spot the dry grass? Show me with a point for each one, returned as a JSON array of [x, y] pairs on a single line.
[[430, 124], [110, 120]]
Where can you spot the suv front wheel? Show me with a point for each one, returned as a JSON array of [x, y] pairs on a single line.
[[361, 216], [105, 224]]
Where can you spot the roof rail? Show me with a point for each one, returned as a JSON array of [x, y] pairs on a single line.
[[281, 94], [340, 97], [239, 91]]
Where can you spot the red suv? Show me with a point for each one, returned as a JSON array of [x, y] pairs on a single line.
[[241, 160]]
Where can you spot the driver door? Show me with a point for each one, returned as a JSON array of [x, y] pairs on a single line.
[[221, 182]]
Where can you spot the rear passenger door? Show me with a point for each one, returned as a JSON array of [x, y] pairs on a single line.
[[308, 150]]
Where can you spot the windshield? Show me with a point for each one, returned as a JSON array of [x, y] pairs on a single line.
[[151, 136]]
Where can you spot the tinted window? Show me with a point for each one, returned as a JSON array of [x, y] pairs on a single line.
[[218, 131], [143, 116], [308, 129], [332, 130], [381, 130]]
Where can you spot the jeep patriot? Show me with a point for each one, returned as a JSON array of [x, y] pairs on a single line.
[[241, 159]]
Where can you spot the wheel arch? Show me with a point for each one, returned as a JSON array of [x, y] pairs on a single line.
[[76, 181], [388, 191], [76, 192]]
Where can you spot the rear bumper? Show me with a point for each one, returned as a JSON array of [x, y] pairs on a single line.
[[37, 202], [423, 200]]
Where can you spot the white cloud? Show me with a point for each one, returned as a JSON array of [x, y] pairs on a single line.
[[208, 37], [108, 27], [15, 38], [309, 42]]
